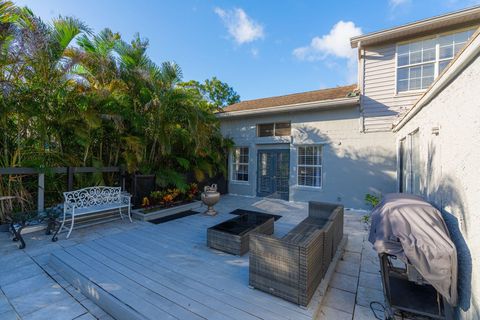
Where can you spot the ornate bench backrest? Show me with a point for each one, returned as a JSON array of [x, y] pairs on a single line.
[[92, 196]]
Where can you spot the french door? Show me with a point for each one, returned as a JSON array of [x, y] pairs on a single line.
[[273, 174]]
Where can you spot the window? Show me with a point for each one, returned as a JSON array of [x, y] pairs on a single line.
[[420, 62], [416, 65], [403, 165], [278, 129], [450, 45], [410, 165], [415, 156], [265, 129], [310, 166], [240, 164], [283, 129]]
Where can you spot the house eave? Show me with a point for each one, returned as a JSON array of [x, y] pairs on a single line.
[[307, 106], [462, 18], [465, 57]]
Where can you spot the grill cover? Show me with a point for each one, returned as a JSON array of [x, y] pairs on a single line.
[[413, 230]]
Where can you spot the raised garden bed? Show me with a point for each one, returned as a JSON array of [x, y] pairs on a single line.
[[152, 213]]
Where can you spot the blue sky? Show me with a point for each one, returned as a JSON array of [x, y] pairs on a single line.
[[260, 48]]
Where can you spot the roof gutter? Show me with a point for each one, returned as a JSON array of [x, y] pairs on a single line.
[[355, 41], [470, 52], [306, 106]]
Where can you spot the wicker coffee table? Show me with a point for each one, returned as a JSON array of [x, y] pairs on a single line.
[[233, 236]]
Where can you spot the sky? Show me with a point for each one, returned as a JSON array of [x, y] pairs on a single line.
[[260, 48]]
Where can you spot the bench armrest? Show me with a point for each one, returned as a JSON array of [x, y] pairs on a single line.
[[68, 207], [125, 198]]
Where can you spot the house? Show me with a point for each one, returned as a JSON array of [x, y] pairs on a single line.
[[412, 124], [337, 144], [439, 154]]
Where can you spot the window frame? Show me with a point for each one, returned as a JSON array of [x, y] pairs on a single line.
[[436, 62], [319, 166], [274, 130], [235, 163]]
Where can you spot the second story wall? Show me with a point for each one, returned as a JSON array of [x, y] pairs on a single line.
[[393, 76], [380, 103]]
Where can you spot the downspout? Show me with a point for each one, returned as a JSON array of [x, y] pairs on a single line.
[[361, 84]]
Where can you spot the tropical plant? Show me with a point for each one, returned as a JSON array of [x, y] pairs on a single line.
[[74, 98]]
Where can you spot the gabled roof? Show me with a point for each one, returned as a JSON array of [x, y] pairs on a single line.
[[458, 19], [457, 65], [292, 102]]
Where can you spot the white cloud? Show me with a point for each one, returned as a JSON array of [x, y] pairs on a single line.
[[334, 45], [395, 3], [240, 26]]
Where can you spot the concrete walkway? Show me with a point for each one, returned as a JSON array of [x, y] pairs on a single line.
[[356, 281], [30, 289]]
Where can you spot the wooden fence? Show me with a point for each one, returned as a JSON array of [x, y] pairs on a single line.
[[69, 171]]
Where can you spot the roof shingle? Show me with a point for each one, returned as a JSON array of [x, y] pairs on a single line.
[[303, 97]]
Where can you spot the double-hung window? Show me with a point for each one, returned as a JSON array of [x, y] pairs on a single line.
[[416, 65], [420, 62], [240, 164], [310, 166], [450, 45]]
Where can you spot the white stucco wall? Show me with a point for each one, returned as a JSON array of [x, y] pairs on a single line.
[[450, 176], [354, 163]]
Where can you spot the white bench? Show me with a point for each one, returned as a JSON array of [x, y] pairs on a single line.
[[91, 200]]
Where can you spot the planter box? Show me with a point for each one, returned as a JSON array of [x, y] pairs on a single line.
[[165, 212]]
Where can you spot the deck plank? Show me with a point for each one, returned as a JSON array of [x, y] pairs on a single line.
[[114, 286], [249, 303], [195, 301], [166, 271], [225, 275]]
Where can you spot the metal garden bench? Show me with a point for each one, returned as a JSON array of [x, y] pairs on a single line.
[[92, 200]]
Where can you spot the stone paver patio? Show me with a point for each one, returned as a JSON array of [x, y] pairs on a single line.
[[30, 289]]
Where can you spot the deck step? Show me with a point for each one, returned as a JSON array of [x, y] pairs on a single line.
[[109, 303]]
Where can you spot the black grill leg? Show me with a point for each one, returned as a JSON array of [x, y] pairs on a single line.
[[17, 236]]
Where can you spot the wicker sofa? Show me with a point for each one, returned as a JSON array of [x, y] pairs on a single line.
[[293, 266]]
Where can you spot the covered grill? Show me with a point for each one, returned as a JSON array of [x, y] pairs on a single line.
[[418, 259]]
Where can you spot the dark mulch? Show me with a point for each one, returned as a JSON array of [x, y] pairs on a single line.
[[174, 217]]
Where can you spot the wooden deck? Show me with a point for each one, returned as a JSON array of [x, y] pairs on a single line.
[[166, 271]]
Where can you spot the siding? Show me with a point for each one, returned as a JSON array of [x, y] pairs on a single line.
[[380, 103]]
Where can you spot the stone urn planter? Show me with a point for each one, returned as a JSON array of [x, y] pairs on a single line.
[[210, 197]]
